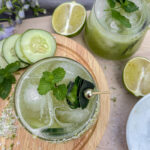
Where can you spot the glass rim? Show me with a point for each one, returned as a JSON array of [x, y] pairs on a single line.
[[85, 127], [142, 29]]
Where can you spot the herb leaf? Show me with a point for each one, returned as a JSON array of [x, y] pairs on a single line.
[[48, 76], [129, 6], [60, 92], [7, 78], [13, 67], [59, 74], [46, 83], [2, 73], [5, 88], [111, 3], [123, 20]]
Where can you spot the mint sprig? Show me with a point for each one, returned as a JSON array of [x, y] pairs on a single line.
[[7, 78], [123, 20], [111, 3], [49, 82], [60, 91], [128, 7]]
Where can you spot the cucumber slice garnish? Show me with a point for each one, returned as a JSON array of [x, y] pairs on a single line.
[[3, 62], [75, 94], [54, 131], [19, 52], [37, 44], [9, 50]]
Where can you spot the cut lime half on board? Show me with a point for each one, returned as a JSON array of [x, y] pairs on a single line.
[[69, 18], [136, 76]]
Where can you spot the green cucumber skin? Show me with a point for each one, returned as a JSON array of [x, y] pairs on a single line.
[[34, 58], [6, 53]]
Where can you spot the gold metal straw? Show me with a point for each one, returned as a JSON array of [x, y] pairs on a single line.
[[102, 92], [89, 93]]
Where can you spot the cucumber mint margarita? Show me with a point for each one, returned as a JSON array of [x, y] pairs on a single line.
[[44, 115], [112, 38]]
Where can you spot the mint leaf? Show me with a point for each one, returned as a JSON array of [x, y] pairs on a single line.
[[2, 74], [48, 76], [60, 92], [111, 3], [5, 88], [13, 67], [7, 78], [58, 74], [10, 79], [123, 20], [46, 83], [129, 6]]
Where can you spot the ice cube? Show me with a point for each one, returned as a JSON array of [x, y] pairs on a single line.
[[33, 99], [72, 115], [34, 107]]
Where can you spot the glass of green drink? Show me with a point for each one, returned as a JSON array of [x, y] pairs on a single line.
[[108, 37], [46, 117]]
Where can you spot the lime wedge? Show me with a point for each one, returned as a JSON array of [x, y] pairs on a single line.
[[69, 18], [136, 76]]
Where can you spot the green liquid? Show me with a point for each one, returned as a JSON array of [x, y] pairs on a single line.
[[109, 39], [45, 116]]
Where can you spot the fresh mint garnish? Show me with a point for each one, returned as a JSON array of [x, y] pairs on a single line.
[[49, 82], [60, 92], [111, 3], [127, 6], [123, 20], [59, 74], [46, 83], [7, 78]]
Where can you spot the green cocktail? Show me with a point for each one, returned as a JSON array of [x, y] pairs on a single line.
[[108, 38], [44, 115]]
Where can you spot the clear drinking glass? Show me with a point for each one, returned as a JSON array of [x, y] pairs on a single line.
[[45, 116], [108, 38]]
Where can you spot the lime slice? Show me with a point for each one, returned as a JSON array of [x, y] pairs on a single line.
[[136, 76], [68, 18]]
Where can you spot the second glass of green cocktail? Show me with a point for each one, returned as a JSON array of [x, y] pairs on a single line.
[[109, 35]]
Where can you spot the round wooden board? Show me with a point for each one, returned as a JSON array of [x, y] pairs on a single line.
[[69, 48]]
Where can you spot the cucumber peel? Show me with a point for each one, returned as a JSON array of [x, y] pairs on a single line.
[[75, 94]]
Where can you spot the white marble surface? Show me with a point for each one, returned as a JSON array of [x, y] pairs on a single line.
[[138, 131]]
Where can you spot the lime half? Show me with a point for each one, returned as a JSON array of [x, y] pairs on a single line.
[[69, 18], [136, 76]]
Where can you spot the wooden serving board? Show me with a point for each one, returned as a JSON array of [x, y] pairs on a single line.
[[69, 48]]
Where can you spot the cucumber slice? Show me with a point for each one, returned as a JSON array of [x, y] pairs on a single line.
[[8, 50], [19, 52], [3, 62], [37, 44]]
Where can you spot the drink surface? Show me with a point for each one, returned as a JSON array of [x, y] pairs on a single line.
[[44, 115], [108, 38]]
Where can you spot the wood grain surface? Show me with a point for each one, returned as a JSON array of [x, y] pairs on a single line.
[[25, 141]]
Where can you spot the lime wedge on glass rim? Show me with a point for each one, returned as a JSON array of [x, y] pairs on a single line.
[[136, 76], [69, 18]]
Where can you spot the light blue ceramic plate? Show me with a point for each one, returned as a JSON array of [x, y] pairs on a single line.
[[138, 125]]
